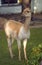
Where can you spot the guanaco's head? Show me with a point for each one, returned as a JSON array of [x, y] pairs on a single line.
[[27, 12]]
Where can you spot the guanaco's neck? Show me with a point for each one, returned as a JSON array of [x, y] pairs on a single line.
[[27, 23]]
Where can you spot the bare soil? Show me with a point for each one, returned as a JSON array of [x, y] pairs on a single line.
[[17, 17]]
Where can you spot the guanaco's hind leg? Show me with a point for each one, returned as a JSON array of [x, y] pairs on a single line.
[[19, 48], [9, 40]]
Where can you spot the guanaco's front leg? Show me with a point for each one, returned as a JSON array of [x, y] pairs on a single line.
[[24, 45]]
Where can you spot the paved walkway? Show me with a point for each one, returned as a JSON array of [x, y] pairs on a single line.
[[36, 24]]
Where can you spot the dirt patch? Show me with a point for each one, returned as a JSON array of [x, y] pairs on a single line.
[[17, 17]]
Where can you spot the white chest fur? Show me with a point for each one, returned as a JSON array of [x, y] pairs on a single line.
[[23, 34]]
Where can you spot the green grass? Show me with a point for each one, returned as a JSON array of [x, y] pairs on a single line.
[[34, 49]]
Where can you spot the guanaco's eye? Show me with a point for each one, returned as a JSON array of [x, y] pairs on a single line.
[[28, 11]]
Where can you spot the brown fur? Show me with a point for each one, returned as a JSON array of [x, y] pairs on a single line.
[[15, 26]]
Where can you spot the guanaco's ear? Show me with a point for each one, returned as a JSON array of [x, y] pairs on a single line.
[[26, 9]]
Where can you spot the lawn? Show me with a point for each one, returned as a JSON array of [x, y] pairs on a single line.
[[34, 49]]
